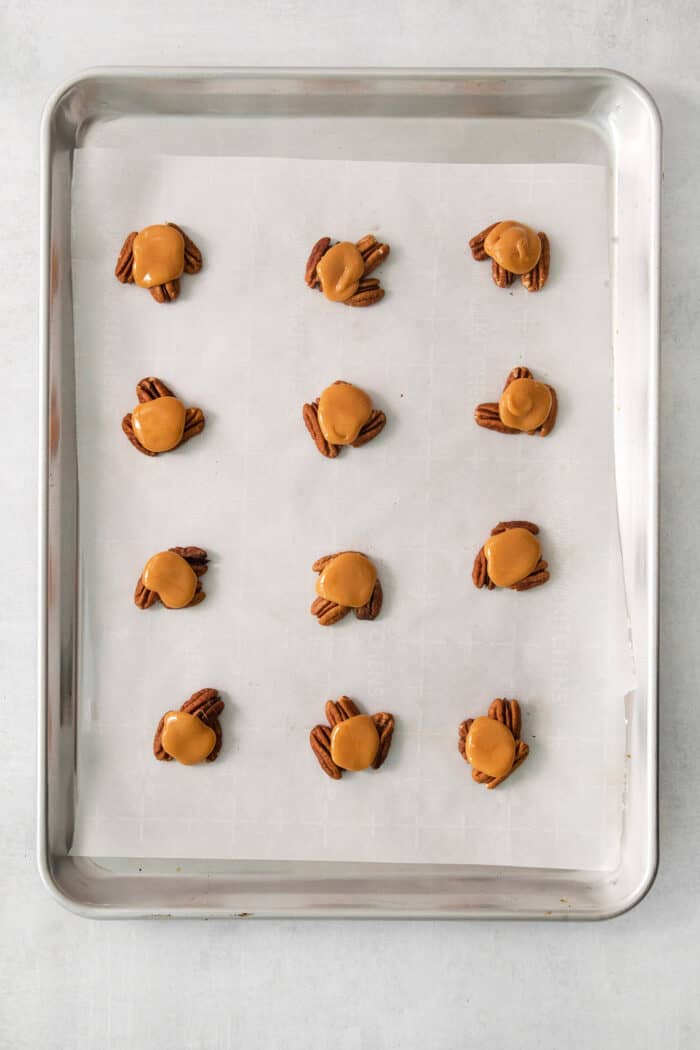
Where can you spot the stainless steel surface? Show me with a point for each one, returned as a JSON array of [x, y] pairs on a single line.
[[467, 116]]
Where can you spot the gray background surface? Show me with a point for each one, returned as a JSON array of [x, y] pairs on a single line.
[[66, 982]]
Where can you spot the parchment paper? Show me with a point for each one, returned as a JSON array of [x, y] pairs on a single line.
[[249, 343]]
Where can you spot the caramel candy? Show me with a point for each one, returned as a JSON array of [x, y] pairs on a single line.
[[340, 270], [514, 246], [511, 556], [348, 579], [490, 747], [172, 579], [159, 424], [159, 255], [186, 738], [354, 743], [525, 404], [343, 410]]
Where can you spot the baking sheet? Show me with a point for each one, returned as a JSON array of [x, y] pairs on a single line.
[[249, 344]]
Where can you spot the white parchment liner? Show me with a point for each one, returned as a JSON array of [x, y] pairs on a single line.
[[249, 344]]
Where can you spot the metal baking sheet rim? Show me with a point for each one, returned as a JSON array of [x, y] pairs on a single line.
[[91, 888]]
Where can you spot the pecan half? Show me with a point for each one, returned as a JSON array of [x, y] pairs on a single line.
[[166, 293], [317, 252], [501, 277], [372, 252], [193, 256], [385, 727], [476, 244], [372, 609], [123, 269], [207, 705], [536, 278], [320, 740], [366, 295], [487, 415], [327, 613], [150, 389], [310, 415], [340, 710], [508, 713], [197, 558], [538, 576], [372, 428]]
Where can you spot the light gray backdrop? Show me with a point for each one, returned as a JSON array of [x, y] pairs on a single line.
[[65, 982]]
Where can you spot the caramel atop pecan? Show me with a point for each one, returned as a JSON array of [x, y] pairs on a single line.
[[159, 255], [351, 741], [499, 749], [176, 573], [160, 422], [515, 250], [341, 271], [344, 578], [514, 555], [343, 415], [156, 258], [192, 734], [525, 406]]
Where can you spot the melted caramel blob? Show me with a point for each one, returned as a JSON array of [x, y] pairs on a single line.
[[354, 743], [186, 738], [343, 410], [159, 255], [348, 579], [159, 424], [525, 404], [490, 747], [172, 578], [511, 556], [339, 271], [514, 246]]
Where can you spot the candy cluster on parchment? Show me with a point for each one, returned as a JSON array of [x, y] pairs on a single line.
[[156, 258]]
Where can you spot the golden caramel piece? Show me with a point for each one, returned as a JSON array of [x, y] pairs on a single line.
[[515, 250], [186, 738], [351, 741], [348, 579], [354, 743], [156, 258], [159, 425], [192, 734], [173, 577], [159, 255], [526, 406], [160, 422], [511, 557], [492, 744], [514, 246], [342, 415], [339, 271], [343, 410]]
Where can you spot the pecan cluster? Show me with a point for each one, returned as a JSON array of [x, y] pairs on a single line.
[[507, 712]]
